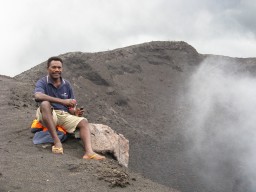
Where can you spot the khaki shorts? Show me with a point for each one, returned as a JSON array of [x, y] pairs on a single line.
[[66, 120]]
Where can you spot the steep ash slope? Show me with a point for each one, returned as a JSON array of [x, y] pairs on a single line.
[[135, 91], [28, 168]]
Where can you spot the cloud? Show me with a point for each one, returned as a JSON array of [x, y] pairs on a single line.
[[35, 30]]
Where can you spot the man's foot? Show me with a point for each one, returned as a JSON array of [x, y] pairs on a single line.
[[94, 156]]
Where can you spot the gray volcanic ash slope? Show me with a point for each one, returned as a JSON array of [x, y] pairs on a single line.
[[169, 101], [28, 168]]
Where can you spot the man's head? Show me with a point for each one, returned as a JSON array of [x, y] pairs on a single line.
[[54, 67], [53, 59]]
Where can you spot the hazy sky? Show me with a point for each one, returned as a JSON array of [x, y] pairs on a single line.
[[33, 30]]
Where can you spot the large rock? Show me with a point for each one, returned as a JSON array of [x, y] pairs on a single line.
[[106, 140]]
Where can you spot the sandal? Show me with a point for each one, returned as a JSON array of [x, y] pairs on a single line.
[[57, 150], [94, 156]]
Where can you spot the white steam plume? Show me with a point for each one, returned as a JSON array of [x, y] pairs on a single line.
[[222, 126]]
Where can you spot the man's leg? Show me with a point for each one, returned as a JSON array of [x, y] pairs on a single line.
[[85, 135], [48, 121]]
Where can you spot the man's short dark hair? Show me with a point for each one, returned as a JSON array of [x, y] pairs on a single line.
[[53, 59]]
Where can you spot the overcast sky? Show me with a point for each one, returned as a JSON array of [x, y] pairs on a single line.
[[33, 30]]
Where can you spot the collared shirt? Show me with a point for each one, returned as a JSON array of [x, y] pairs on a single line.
[[64, 91]]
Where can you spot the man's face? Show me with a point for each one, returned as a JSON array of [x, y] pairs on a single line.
[[55, 69]]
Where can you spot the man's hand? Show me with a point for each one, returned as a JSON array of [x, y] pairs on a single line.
[[69, 102], [79, 112]]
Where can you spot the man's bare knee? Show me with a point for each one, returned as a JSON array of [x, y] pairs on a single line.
[[83, 123], [45, 105]]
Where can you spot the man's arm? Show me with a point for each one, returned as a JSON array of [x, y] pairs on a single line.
[[43, 97]]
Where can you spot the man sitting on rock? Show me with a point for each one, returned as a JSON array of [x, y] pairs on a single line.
[[58, 107]]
